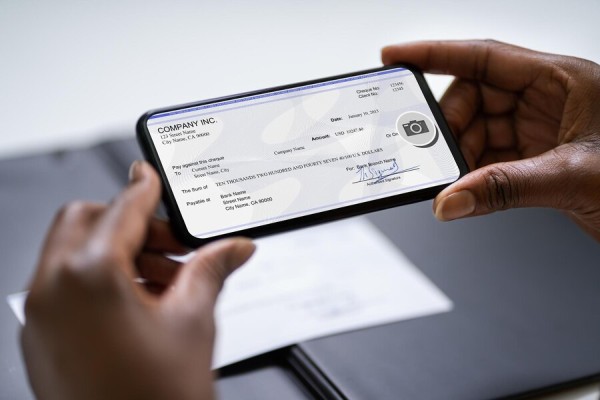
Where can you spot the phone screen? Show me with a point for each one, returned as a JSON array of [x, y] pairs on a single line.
[[256, 159]]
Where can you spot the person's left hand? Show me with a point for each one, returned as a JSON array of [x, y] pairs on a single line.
[[92, 332]]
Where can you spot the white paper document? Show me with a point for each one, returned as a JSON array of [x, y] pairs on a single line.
[[312, 283]]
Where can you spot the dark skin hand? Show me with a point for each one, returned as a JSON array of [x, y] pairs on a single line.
[[528, 124], [94, 333]]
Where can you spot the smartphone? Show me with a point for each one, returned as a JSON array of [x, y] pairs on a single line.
[[276, 159]]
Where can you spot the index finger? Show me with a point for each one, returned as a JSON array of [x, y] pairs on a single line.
[[502, 65], [125, 225]]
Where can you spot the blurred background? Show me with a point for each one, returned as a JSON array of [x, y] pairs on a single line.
[[73, 73], [77, 73]]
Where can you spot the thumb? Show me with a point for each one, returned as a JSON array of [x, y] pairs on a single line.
[[542, 181], [200, 280]]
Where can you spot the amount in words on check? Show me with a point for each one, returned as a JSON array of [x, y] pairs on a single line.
[[329, 160]]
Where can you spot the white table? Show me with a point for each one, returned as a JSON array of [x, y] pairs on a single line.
[[72, 74]]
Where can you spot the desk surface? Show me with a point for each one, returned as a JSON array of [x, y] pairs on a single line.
[[78, 72], [524, 284], [525, 287]]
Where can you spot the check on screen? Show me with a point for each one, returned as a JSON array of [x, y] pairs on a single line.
[[264, 158]]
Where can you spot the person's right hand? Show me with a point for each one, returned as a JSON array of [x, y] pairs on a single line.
[[528, 121]]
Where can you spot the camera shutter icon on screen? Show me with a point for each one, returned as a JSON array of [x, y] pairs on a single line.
[[415, 127]]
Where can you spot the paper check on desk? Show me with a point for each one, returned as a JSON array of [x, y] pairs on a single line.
[[312, 283]]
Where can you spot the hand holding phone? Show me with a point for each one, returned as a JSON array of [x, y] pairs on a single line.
[[281, 158]]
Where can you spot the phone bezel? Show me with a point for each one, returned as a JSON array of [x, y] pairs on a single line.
[[179, 226]]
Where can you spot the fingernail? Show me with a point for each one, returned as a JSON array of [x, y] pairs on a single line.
[[244, 249], [134, 170], [456, 205]]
